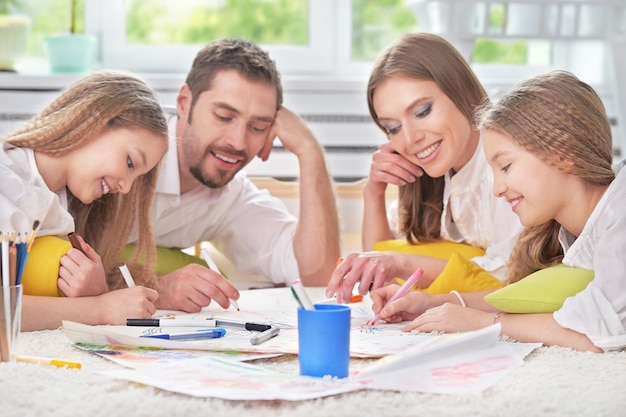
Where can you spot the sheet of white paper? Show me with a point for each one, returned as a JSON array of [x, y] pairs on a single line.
[[365, 341], [450, 363], [468, 363], [454, 363], [221, 378], [471, 372], [274, 306]]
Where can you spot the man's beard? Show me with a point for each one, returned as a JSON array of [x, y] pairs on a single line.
[[218, 182], [221, 177]]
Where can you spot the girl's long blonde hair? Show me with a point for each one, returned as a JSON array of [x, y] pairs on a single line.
[[99, 101], [429, 57], [562, 121]]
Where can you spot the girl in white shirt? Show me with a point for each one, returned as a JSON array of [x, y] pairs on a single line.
[[549, 145], [88, 163], [422, 94]]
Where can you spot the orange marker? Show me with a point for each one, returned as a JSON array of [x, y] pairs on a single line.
[[356, 298], [340, 260]]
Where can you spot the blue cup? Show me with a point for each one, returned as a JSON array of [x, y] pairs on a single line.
[[324, 340]]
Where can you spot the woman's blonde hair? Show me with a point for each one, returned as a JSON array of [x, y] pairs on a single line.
[[99, 101], [428, 57], [563, 122]]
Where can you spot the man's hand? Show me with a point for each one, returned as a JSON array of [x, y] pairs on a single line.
[[293, 133], [193, 287]]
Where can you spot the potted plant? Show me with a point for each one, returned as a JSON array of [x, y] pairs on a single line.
[[14, 29], [71, 52]]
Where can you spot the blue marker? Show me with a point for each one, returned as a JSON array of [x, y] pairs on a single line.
[[201, 334]]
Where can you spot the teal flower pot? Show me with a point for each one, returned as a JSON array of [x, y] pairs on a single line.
[[71, 53]]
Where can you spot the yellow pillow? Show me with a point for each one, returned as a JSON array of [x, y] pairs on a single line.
[[440, 250], [462, 275], [543, 291], [41, 271]]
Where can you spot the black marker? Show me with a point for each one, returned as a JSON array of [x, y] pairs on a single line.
[[171, 322], [196, 322]]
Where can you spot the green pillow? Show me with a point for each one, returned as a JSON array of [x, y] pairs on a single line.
[[543, 291], [168, 259]]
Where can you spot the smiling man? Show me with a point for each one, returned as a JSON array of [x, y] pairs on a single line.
[[229, 111]]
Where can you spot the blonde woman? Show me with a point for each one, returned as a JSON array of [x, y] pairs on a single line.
[[549, 145], [88, 163]]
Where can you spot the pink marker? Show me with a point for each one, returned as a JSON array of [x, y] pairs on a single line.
[[401, 291]]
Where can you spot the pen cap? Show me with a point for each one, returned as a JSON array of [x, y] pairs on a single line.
[[324, 340], [257, 327]]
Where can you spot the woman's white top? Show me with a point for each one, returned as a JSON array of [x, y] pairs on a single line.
[[599, 311]]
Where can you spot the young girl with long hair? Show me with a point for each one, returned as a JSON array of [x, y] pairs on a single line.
[[88, 164]]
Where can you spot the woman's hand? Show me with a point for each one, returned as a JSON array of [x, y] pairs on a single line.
[[371, 270], [389, 167]]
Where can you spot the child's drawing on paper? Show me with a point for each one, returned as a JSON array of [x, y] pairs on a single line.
[[466, 374]]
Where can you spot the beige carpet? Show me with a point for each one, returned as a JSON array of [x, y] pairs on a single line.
[[552, 382]]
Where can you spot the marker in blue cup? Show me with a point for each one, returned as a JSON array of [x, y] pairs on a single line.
[[324, 340]]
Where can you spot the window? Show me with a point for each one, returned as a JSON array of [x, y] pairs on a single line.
[[338, 38], [165, 35], [334, 38]]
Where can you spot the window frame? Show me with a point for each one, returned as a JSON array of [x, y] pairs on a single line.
[[107, 21]]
